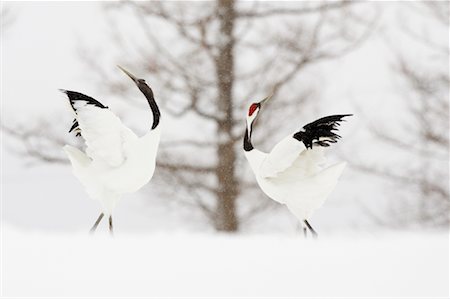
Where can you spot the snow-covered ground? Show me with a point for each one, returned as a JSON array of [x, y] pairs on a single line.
[[206, 265]]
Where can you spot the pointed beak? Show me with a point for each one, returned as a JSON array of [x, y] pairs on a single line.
[[265, 99], [128, 74]]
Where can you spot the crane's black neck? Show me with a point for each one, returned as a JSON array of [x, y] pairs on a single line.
[[148, 93], [248, 146]]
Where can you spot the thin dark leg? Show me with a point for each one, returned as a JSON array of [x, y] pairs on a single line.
[[305, 232], [96, 223], [110, 225], [311, 229]]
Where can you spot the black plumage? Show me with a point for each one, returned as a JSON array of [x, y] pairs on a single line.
[[248, 146], [75, 127], [76, 99], [148, 93], [321, 132]]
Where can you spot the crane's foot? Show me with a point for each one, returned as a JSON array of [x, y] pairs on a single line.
[[111, 225], [313, 232], [96, 223]]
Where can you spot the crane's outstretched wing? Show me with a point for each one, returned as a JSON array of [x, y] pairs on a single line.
[[281, 157], [314, 191], [102, 131], [78, 100], [321, 132], [288, 152]]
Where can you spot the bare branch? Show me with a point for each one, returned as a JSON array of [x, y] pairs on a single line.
[[402, 145], [258, 208], [291, 11], [36, 145], [185, 167], [186, 142]]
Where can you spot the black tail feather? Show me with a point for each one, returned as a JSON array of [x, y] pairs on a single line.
[[75, 127], [321, 132]]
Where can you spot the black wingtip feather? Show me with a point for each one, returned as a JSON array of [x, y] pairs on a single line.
[[82, 99], [321, 132]]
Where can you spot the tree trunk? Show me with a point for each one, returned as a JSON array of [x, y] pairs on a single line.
[[227, 219]]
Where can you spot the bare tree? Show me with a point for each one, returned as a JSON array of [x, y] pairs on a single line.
[[424, 81], [227, 53]]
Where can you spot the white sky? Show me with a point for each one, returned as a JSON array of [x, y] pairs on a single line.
[[40, 52]]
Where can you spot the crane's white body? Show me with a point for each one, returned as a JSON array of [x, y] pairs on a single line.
[[300, 179], [116, 160], [292, 174]]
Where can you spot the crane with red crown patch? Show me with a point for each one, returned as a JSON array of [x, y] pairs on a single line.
[[294, 173]]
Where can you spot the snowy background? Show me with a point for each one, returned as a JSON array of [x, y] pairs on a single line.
[[374, 241]]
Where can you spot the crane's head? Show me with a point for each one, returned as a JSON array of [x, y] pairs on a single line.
[[254, 110], [140, 83]]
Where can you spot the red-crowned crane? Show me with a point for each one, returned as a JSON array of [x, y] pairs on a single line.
[[293, 173], [116, 160]]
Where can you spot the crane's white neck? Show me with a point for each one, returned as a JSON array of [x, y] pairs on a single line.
[[248, 132], [251, 119], [255, 158]]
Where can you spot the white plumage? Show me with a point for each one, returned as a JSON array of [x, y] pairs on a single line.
[[294, 173], [116, 160]]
